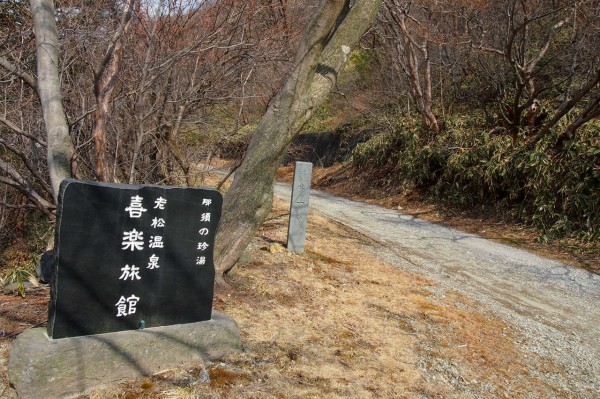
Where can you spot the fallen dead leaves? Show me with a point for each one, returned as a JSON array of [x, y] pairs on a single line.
[[486, 222], [337, 322]]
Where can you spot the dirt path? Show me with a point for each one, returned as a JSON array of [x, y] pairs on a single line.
[[553, 307], [380, 305]]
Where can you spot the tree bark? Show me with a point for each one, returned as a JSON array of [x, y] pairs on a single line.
[[60, 147], [105, 78], [412, 59], [334, 30], [140, 111]]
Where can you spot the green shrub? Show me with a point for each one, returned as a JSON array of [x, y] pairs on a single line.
[[557, 190], [19, 277]]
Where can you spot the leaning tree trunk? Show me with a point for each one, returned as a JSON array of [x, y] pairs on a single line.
[[323, 50], [60, 147]]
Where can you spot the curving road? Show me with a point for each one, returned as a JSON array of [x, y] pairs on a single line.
[[554, 307]]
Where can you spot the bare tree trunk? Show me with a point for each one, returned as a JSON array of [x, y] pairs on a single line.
[[104, 82], [413, 59], [171, 145], [568, 105], [60, 147], [335, 29], [140, 111]]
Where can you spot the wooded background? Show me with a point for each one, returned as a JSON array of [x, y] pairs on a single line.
[[474, 102]]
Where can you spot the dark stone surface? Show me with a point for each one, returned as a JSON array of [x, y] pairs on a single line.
[[322, 148], [299, 206], [46, 267], [326, 148], [40, 368], [108, 277]]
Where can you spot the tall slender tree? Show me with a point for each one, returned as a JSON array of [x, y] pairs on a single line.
[[335, 29], [60, 147]]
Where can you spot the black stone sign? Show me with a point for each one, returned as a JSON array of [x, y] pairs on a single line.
[[131, 256]]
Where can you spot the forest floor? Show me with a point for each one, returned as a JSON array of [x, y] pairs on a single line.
[[335, 322]]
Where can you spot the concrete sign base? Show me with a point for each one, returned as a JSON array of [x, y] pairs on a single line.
[[43, 368]]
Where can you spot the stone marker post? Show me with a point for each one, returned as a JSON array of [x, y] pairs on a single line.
[[299, 206]]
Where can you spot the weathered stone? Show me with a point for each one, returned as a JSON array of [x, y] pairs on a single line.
[[43, 368], [45, 269], [299, 207], [130, 256]]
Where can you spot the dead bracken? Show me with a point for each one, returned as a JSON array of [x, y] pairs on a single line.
[[336, 322]]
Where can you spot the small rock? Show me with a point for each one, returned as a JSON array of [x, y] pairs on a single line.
[[203, 377], [245, 259], [11, 288], [45, 269]]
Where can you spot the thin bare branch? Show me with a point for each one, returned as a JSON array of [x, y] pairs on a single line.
[[25, 159], [16, 180], [16, 129], [18, 72]]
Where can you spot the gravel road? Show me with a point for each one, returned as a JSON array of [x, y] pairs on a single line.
[[553, 307]]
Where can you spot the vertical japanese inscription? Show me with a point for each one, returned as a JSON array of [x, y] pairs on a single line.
[[134, 240], [128, 254], [299, 206]]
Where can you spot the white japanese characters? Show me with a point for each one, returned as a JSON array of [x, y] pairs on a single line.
[[147, 233], [202, 246], [160, 203], [158, 222], [133, 240], [204, 231], [126, 306], [153, 262], [156, 242], [135, 208], [130, 272]]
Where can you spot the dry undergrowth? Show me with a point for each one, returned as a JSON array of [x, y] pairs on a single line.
[[490, 224], [336, 322]]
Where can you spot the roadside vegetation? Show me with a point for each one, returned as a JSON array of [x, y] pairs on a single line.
[[473, 105], [486, 109], [555, 190]]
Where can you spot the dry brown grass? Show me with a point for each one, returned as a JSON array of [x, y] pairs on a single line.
[[337, 322], [494, 225]]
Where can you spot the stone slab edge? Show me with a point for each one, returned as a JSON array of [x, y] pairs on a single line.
[[42, 368]]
